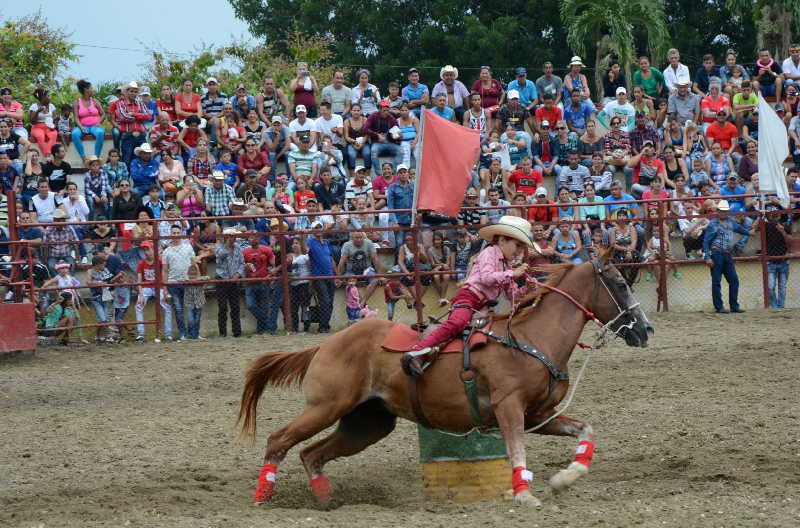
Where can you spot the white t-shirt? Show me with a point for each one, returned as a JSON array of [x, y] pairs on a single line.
[[337, 98], [307, 126], [44, 208], [789, 67], [45, 117], [324, 127], [369, 103], [626, 112]]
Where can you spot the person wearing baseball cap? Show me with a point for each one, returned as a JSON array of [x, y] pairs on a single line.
[[243, 102], [384, 143], [491, 275], [146, 274], [718, 254], [301, 126], [211, 104], [621, 108], [525, 88]]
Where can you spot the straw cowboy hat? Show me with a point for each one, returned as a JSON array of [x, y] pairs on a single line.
[[576, 61], [448, 69], [509, 226]]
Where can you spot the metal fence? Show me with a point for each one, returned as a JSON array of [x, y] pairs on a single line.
[[412, 273]]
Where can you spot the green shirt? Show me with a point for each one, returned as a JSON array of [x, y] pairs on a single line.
[[738, 99], [650, 84]]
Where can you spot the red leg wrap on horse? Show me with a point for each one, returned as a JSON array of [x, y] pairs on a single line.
[[266, 483], [321, 488], [520, 479], [584, 453]]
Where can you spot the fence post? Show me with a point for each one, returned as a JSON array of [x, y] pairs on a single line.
[[287, 302], [160, 289], [762, 235], [417, 278], [31, 283], [662, 257]]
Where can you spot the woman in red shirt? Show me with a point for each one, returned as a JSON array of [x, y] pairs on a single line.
[[256, 160], [490, 89], [305, 90], [166, 103], [187, 103]]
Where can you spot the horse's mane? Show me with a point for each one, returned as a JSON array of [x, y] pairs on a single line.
[[554, 274]]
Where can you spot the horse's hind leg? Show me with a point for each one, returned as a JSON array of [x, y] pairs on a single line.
[[365, 425], [566, 426], [310, 422]]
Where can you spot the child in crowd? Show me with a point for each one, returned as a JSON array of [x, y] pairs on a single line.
[[280, 194], [65, 281], [597, 245], [63, 124], [303, 194], [654, 243], [61, 316], [228, 168], [194, 299], [393, 291], [101, 295], [353, 301], [8, 174], [698, 174], [122, 301]]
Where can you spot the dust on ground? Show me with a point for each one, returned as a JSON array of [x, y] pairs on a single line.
[[700, 429]]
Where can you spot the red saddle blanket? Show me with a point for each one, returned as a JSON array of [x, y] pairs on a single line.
[[402, 337]]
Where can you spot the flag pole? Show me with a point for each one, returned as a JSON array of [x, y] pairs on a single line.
[[418, 156]]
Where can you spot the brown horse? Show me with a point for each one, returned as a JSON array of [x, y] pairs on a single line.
[[352, 379]]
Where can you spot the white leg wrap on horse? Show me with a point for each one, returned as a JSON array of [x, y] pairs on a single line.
[[566, 477]]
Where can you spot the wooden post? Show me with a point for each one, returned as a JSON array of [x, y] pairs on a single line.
[[463, 469]]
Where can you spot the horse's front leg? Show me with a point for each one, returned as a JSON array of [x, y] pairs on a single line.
[[510, 414], [566, 426]]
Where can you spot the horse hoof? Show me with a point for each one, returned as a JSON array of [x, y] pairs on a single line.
[[322, 489], [526, 498], [567, 477]]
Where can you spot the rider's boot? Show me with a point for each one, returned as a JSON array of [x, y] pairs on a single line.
[[413, 360]]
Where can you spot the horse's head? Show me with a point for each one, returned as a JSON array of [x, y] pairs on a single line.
[[614, 303]]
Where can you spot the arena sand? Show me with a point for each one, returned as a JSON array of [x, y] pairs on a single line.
[[700, 429]]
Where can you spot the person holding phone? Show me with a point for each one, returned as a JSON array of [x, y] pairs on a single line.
[[364, 94], [305, 90]]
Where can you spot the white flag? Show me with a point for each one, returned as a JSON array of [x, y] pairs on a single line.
[[773, 149]]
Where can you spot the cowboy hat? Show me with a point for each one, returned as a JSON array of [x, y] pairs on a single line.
[[448, 69], [576, 61], [723, 205], [144, 147], [510, 226], [59, 214]]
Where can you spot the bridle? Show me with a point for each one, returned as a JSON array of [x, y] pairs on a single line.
[[604, 327]]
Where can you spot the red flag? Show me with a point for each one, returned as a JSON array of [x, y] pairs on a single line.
[[448, 154]]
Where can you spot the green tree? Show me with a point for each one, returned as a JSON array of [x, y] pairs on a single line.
[[32, 53], [774, 21], [614, 24]]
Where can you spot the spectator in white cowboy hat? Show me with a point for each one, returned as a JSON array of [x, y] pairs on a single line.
[[144, 169], [455, 92], [575, 80], [718, 254], [129, 116], [218, 196], [230, 265]]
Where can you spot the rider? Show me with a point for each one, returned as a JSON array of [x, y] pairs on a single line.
[[491, 274]]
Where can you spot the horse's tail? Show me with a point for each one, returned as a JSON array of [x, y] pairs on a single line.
[[278, 370]]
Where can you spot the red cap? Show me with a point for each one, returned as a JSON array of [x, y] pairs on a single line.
[[147, 243], [384, 102]]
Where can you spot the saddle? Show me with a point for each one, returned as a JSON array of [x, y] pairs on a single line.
[[402, 337]]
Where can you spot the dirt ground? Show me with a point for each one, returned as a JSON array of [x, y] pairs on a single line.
[[700, 429]]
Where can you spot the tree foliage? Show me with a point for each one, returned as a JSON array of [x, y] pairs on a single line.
[[32, 53]]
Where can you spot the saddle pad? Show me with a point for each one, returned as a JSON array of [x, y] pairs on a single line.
[[402, 337]]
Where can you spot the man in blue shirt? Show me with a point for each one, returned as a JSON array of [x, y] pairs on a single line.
[[319, 255], [415, 93], [144, 169], [717, 247], [400, 195], [527, 90], [618, 196], [441, 109], [578, 112], [732, 188]]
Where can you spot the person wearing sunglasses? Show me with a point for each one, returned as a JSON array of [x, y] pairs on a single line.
[[791, 66]]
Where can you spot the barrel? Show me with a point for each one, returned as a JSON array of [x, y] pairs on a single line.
[[463, 469]]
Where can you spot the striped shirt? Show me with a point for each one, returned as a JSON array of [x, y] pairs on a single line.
[[130, 116], [213, 106], [304, 161]]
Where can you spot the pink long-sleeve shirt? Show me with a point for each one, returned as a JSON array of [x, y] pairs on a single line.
[[491, 275]]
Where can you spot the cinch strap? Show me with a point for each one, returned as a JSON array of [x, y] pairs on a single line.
[[503, 340]]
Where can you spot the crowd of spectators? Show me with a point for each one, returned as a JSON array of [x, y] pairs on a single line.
[[186, 155]]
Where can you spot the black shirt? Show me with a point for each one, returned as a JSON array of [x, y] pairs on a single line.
[[123, 209], [776, 243], [329, 196], [610, 87], [10, 145], [57, 174]]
